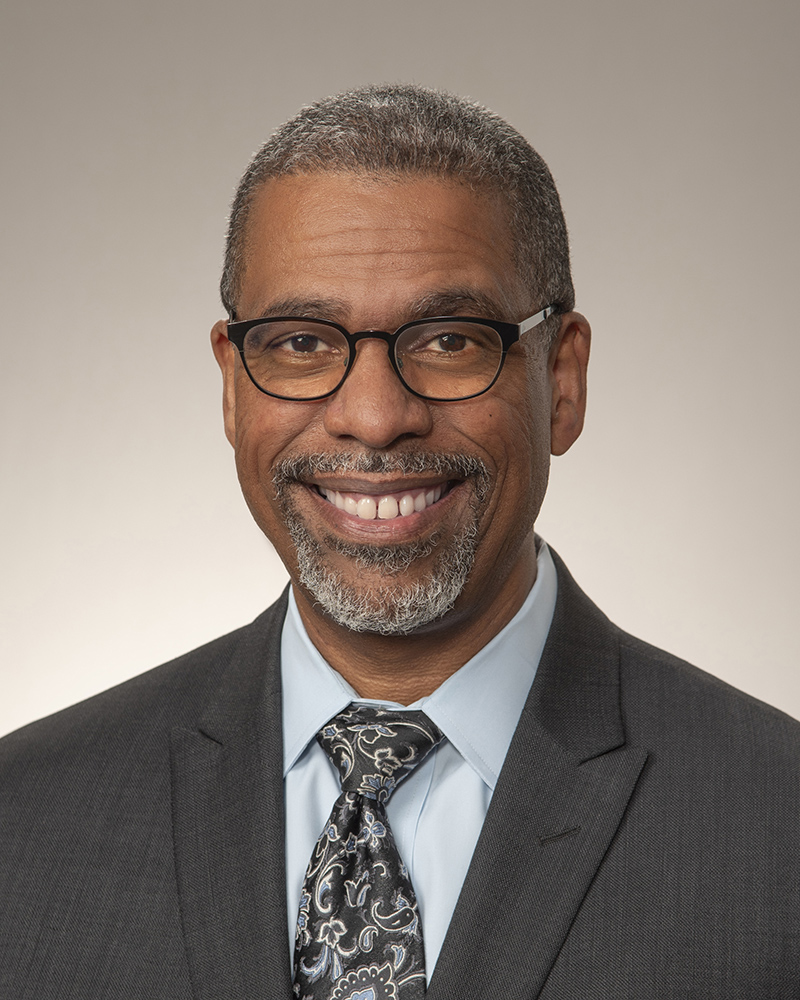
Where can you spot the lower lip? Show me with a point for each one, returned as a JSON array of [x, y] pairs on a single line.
[[395, 527]]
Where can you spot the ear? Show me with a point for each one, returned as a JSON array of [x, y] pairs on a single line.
[[567, 364], [225, 353]]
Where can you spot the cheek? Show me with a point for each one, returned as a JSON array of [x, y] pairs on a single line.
[[266, 430], [517, 438], [513, 431]]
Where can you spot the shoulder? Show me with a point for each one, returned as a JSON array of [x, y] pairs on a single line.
[[707, 840], [681, 715], [704, 726], [86, 794], [656, 687], [140, 711], [86, 823], [666, 687]]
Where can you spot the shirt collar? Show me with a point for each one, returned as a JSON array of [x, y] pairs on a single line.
[[477, 708]]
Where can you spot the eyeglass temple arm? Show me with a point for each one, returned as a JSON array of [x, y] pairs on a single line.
[[533, 321]]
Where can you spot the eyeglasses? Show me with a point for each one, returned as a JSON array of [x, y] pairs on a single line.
[[444, 358]]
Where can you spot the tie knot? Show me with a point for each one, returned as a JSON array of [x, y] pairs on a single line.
[[375, 749]]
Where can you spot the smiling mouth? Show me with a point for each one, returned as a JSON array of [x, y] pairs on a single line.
[[386, 506], [407, 484]]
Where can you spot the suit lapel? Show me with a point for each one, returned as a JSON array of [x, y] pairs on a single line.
[[228, 823], [559, 800]]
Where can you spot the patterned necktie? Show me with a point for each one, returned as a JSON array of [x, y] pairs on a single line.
[[359, 935]]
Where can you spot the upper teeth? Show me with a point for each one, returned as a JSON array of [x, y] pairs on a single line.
[[385, 506]]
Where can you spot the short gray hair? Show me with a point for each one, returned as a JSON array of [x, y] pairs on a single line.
[[399, 130]]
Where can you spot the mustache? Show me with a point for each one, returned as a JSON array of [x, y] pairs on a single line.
[[447, 465]]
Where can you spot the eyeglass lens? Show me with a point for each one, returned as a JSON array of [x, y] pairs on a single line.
[[304, 359]]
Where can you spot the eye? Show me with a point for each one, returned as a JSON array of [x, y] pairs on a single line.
[[293, 340], [446, 339], [447, 342], [303, 343]]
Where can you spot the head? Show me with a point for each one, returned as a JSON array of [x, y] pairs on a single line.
[[405, 131], [371, 209]]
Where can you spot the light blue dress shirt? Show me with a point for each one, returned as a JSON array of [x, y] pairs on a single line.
[[437, 813]]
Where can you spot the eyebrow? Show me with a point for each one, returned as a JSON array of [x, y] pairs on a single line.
[[307, 307], [447, 302], [454, 301]]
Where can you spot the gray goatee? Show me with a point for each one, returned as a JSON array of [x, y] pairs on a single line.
[[390, 607]]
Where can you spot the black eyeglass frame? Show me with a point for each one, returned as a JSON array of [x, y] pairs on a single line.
[[509, 333]]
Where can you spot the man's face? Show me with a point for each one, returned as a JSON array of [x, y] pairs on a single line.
[[456, 485]]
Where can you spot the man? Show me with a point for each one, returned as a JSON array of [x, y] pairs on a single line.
[[586, 817]]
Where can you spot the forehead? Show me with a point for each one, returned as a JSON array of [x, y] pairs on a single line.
[[387, 241]]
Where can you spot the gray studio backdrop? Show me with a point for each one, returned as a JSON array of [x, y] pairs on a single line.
[[672, 132]]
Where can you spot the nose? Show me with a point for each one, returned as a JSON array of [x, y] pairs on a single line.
[[373, 406]]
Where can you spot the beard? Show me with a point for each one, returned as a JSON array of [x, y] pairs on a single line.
[[392, 606]]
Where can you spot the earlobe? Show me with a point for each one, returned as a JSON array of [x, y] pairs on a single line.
[[567, 365], [225, 353]]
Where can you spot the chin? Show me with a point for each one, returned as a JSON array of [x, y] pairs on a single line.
[[387, 597]]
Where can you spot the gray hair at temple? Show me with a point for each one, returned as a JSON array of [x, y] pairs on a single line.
[[399, 131]]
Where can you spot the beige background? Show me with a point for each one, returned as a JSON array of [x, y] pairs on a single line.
[[672, 132]]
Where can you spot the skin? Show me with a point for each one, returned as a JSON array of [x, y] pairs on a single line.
[[370, 253]]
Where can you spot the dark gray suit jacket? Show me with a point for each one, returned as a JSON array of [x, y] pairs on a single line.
[[643, 840]]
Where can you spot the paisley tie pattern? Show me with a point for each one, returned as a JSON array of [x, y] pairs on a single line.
[[358, 930]]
